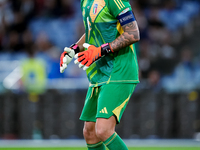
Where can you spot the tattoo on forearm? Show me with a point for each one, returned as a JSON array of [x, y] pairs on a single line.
[[130, 36]]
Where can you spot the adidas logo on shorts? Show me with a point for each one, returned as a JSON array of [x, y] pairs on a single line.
[[104, 111]]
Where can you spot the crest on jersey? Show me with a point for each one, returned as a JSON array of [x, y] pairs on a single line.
[[95, 8]]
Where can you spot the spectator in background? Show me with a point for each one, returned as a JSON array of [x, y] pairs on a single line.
[[21, 22], [13, 43], [67, 8], [154, 81], [185, 70], [144, 60], [51, 54], [27, 8], [34, 73], [6, 19], [51, 8], [27, 39], [183, 76]]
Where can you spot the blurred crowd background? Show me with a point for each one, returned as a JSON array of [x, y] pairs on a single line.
[[33, 34], [168, 52]]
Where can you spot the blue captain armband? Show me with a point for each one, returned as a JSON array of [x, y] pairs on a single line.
[[126, 18]]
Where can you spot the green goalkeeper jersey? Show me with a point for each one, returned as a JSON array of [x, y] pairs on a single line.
[[102, 26]]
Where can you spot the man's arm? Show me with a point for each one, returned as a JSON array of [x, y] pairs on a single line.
[[80, 43], [131, 35]]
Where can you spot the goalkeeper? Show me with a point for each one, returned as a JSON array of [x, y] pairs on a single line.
[[107, 52]]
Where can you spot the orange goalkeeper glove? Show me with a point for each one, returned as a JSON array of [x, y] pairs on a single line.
[[67, 56], [93, 53]]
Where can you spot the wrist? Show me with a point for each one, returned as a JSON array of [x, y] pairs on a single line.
[[106, 49], [75, 47]]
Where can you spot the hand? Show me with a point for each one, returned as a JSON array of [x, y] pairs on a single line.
[[93, 53], [87, 57], [65, 58]]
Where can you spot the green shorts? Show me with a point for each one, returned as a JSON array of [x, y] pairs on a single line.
[[106, 100]]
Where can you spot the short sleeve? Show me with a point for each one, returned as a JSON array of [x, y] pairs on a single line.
[[117, 6]]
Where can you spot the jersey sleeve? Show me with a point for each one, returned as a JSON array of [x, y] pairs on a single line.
[[118, 6]]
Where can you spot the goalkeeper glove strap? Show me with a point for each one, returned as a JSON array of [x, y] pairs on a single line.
[[106, 49], [75, 47]]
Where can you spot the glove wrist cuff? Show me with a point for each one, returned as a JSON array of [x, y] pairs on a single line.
[[75, 47], [106, 49]]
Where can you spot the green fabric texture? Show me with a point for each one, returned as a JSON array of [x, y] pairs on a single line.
[[115, 143], [99, 103], [98, 146], [102, 26]]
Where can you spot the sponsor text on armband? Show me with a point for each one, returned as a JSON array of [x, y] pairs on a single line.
[[126, 18]]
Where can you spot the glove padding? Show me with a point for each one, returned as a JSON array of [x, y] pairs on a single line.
[[65, 58], [87, 57]]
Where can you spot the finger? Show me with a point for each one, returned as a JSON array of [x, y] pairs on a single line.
[[64, 66], [62, 69], [67, 49], [64, 59], [85, 68], [79, 54], [76, 56], [84, 61], [76, 61], [86, 45], [80, 65], [87, 65], [80, 59]]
